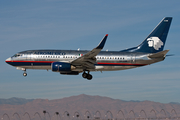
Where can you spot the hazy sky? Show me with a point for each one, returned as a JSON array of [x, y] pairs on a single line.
[[73, 24]]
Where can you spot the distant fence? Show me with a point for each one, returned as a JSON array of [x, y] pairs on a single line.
[[142, 115]]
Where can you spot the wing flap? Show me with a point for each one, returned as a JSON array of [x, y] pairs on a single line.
[[88, 65]]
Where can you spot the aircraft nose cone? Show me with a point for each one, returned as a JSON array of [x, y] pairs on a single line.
[[7, 60]]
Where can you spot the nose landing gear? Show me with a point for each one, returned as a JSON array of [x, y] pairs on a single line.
[[24, 74], [87, 75]]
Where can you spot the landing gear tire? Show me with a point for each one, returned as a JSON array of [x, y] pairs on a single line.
[[84, 75], [24, 74], [89, 77]]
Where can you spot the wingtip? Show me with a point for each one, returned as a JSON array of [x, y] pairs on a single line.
[[101, 44]]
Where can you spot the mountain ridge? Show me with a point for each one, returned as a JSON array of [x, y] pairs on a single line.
[[83, 103], [15, 101], [21, 101]]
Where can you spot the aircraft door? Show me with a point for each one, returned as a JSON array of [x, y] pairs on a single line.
[[28, 57], [23, 57], [133, 58]]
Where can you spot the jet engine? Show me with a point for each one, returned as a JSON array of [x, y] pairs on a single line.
[[61, 67]]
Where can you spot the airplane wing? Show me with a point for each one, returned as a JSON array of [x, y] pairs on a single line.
[[88, 60]]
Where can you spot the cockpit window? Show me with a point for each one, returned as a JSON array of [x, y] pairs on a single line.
[[16, 55]]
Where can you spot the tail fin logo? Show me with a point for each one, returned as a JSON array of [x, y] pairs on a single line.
[[155, 42]]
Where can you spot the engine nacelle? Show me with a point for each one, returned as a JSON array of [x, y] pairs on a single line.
[[61, 66]]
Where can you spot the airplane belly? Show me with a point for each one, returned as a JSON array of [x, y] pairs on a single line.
[[35, 67], [31, 64], [112, 68]]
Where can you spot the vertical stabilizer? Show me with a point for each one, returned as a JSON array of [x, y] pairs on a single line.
[[156, 40]]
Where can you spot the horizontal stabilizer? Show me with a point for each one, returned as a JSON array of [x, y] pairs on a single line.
[[169, 55], [159, 54]]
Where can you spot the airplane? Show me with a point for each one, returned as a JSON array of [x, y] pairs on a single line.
[[73, 62]]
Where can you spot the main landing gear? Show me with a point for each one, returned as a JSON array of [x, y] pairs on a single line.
[[87, 75]]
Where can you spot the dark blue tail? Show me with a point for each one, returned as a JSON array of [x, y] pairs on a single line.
[[156, 40]]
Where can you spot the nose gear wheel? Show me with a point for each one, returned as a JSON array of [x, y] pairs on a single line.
[[24, 74]]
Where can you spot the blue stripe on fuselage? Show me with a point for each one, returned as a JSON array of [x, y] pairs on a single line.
[[28, 63], [48, 63]]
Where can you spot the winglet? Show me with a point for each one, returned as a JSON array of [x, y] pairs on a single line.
[[102, 43]]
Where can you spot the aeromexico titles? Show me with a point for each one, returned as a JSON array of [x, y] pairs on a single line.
[[73, 62]]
